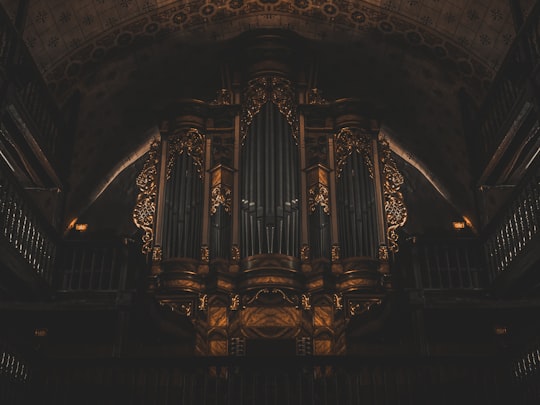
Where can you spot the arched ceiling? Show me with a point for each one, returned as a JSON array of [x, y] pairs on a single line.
[[409, 58]]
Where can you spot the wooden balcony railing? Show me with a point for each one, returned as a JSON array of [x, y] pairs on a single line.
[[274, 381], [23, 227], [449, 264], [97, 265], [508, 91], [518, 225], [14, 376]]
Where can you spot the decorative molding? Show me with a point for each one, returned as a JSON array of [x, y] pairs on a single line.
[[319, 195], [259, 91], [291, 300], [145, 207], [220, 195], [394, 205], [190, 142], [348, 140]]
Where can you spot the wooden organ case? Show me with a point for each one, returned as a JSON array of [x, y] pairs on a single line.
[[269, 215]]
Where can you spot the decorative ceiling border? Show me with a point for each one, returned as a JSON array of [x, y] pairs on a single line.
[[199, 17]]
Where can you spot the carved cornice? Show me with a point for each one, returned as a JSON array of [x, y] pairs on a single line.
[[348, 140], [190, 142], [276, 89], [394, 205], [220, 195], [319, 195], [145, 207]]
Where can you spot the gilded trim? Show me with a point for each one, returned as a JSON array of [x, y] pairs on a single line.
[[394, 205], [190, 142], [220, 195], [319, 195], [259, 91], [145, 207], [348, 140]]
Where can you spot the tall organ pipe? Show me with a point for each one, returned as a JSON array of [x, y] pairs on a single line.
[[269, 186]]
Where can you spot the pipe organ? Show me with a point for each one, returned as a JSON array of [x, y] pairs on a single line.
[[269, 215]]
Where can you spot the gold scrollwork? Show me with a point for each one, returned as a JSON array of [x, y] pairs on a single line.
[[319, 195], [394, 205], [235, 302], [348, 140], [276, 89], [203, 302], [145, 207], [306, 302], [383, 253], [190, 142], [220, 195]]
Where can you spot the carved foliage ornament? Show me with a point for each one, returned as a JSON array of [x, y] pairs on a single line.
[[319, 195], [394, 206], [220, 195], [348, 140], [190, 142], [145, 207], [276, 89]]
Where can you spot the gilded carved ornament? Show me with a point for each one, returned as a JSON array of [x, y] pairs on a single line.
[[190, 142], [394, 205], [259, 91], [145, 207], [347, 141], [338, 301], [203, 302], [235, 253], [319, 195], [220, 195], [205, 253], [335, 252], [182, 308]]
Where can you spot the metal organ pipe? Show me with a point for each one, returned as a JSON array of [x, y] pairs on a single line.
[[270, 186]]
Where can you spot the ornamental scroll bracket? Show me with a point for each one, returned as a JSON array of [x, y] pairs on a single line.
[[348, 140], [145, 207], [190, 142], [276, 89], [394, 205]]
